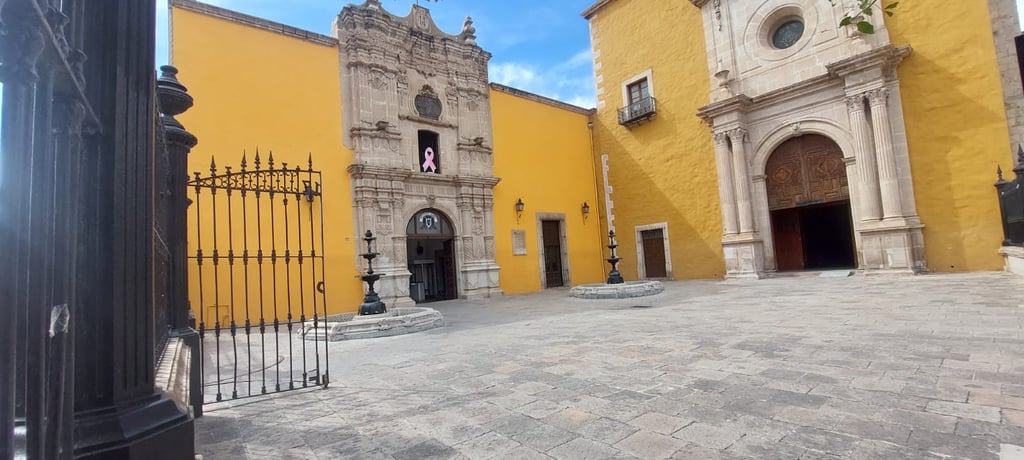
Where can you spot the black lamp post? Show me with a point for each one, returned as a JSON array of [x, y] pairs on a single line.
[[614, 277], [371, 301]]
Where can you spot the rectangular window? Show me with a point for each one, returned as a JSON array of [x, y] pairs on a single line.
[[638, 91], [430, 156]]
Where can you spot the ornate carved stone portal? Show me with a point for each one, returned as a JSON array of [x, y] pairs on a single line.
[[417, 115], [784, 69]]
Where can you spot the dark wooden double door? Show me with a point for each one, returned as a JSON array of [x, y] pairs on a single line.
[[809, 200]]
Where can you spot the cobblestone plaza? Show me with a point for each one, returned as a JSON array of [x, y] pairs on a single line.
[[800, 367]]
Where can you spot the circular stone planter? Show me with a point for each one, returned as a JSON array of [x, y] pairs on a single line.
[[625, 290], [397, 321]]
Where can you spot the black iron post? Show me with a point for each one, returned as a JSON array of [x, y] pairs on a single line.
[[173, 99], [371, 302], [1011, 203], [614, 277]]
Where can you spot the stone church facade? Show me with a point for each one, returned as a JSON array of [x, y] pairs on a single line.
[[763, 96], [403, 78], [818, 161]]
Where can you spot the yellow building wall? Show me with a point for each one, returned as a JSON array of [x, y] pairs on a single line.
[[543, 156], [956, 129], [258, 89], [663, 170]]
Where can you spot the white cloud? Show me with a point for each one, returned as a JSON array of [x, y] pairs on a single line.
[[571, 81]]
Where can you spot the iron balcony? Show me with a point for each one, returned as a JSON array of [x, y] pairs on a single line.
[[637, 112]]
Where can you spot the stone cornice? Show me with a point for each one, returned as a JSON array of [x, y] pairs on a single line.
[[739, 103], [253, 21], [592, 9], [362, 171], [743, 103], [887, 56], [543, 100], [699, 3]]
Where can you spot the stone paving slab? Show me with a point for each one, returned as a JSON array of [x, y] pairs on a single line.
[[925, 367]]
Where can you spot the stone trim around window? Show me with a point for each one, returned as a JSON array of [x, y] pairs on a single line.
[[647, 74], [641, 268]]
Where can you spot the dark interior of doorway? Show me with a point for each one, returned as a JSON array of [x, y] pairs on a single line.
[[814, 237], [432, 264], [552, 236]]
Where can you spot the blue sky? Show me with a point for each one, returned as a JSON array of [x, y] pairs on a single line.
[[541, 46]]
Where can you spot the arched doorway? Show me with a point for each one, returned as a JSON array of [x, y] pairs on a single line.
[[809, 201], [431, 250]]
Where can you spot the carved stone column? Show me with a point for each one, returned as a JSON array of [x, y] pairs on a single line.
[[726, 192], [867, 164], [741, 171], [889, 184]]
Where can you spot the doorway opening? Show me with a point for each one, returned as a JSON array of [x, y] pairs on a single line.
[[652, 244], [552, 238], [431, 257], [809, 202]]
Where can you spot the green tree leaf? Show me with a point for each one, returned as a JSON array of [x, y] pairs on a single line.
[[866, 27]]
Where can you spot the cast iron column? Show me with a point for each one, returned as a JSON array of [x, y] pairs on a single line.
[[119, 414], [22, 43], [174, 100]]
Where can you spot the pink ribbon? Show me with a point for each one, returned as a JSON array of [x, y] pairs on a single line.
[[429, 164]]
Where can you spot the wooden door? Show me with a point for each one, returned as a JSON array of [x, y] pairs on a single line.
[[653, 242], [789, 246], [552, 237], [447, 263]]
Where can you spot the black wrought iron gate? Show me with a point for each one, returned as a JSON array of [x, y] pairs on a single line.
[[257, 278]]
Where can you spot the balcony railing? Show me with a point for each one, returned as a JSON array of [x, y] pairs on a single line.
[[637, 112]]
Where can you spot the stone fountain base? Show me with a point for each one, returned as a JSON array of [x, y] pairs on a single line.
[[625, 290], [397, 321]]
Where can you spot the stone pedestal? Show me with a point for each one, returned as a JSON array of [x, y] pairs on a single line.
[[744, 256], [481, 280], [892, 249], [1013, 257], [393, 286]]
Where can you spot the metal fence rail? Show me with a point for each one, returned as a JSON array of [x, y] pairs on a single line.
[[258, 266]]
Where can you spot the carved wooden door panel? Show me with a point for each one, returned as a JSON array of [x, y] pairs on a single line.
[[806, 170]]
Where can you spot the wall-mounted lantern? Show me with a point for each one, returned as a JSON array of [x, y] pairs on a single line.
[[586, 211], [520, 206]]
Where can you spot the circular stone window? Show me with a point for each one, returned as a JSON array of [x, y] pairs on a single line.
[[787, 34]]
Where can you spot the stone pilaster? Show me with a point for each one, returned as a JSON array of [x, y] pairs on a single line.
[[741, 176], [726, 192], [867, 163], [888, 178]]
